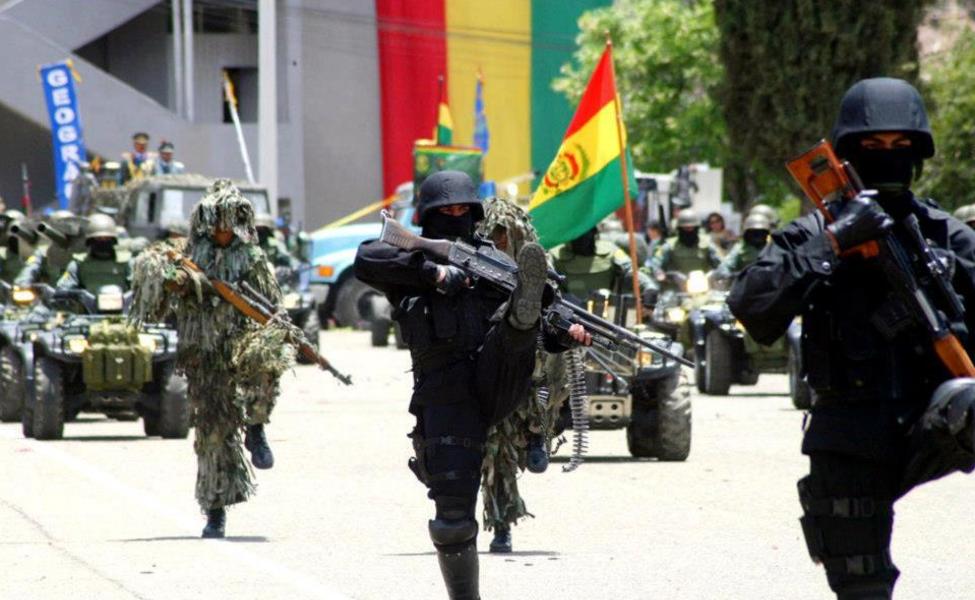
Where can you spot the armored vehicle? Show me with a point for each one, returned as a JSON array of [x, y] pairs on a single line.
[[89, 358]]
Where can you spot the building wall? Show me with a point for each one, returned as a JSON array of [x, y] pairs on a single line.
[[340, 107]]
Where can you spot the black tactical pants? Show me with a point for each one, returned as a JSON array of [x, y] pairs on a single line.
[[459, 403], [848, 518]]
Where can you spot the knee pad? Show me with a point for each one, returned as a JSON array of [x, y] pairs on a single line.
[[850, 537], [452, 534], [454, 526]]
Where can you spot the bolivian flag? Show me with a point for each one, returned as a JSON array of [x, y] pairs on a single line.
[[584, 184], [445, 125]]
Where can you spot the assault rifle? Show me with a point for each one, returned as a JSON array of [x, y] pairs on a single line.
[[917, 277], [485, 263], [250, 303]]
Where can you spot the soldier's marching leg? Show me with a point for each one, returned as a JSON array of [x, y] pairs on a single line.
[[847, 522], [223, 477], [452, 451], [260, 401]]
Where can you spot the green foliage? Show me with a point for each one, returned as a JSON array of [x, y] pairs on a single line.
[[667, 67], [949, 177], [788, 64]]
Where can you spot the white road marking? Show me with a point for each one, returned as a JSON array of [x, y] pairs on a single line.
[[300, 582]]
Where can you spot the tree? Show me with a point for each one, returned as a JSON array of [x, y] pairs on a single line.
[[666, 55], [949, 177], [788, 64]]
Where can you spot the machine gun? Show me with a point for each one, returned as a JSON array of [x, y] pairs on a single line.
[[496, 268], [917, 277], [24, 232], [250, 303], [54, 234]]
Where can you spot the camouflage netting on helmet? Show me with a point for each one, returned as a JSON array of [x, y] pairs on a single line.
[[507, 215]]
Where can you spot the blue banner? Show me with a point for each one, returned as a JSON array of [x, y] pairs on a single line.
[[482, 138], [66, 135]]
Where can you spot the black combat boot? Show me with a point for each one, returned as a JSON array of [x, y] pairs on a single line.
[[256, 443], [526, 300], [537, 454], [460, 573], [216, 521], [501, 544]]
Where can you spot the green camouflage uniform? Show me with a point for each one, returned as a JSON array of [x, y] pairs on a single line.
[[740, 256], [507, 442], [671, 255], [232, 365]]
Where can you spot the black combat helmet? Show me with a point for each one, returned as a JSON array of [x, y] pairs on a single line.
[[878, 105], [445, 188]]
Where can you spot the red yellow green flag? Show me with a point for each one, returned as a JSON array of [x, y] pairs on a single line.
[[445, 125], [584, 183]]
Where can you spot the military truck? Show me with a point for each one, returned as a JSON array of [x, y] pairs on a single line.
[[637, 390], [89, 358], [146, 207]]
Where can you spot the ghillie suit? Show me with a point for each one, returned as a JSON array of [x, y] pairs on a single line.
[[232, 365], [507, 442]]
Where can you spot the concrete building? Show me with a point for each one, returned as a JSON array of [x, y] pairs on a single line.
[[328, 125]]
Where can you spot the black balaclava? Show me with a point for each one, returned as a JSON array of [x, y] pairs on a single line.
[[688, 237], [438, 225], [585, 244], [13, 245], [890, 172], [756, 238], [102, 248], [262, 235]]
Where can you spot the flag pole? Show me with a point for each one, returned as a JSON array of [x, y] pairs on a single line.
[[627, 202], [228, 90]]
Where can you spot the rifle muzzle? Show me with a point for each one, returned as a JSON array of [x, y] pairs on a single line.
[[54, 234], [24, 232]]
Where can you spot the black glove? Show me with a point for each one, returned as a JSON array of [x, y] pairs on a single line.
[[860, 220], [454, 280]]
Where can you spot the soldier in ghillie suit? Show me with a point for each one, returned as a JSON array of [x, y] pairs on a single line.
[[232, 365], [520, 440]]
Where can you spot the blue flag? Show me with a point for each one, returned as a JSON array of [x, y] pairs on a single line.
[[67, 139], [482, 139]]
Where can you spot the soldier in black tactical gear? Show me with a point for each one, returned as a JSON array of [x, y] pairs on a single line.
[[878, 427], [473, 353]]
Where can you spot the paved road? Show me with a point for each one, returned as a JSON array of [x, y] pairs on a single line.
[[108, 514]]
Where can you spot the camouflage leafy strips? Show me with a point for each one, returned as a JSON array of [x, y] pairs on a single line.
[[507, 215], [232, 364]]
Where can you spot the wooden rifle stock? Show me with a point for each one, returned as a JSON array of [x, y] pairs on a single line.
[[824, 179]]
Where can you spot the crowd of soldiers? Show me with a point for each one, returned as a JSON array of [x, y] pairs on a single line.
[[487, 378]]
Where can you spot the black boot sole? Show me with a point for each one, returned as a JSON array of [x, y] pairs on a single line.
[[526, 302]]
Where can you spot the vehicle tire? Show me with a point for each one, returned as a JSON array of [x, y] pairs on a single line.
[[717, 364], [150, 424], [699, 374], [798, 387], [356, 304], [174, 408], [672, 442], [398, 336], [48, 409], [12, 388], [27, 417], [380, 332], [639, 432], [311, 327]]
